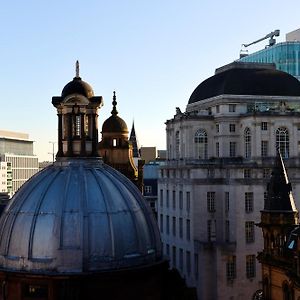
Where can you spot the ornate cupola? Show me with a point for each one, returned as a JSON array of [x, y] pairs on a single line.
[[77, 110]]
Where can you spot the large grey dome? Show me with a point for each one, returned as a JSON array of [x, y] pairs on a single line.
[[75, 216]]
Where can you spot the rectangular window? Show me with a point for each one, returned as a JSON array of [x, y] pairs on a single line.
[[188, 262], [250, 266], [217, 109], [217, 149], [231, 127], [264, 126], [227, 231], [161, 197], [174, 200], [209, 230], [181, 259], [168, 250], [167, 204], [232, 107], [211, 201], [148, 189], [188, 229], [265, 196], [226, 202], [180, 200], [180, 228], [168, 225], [266, 173], [188, 201], [231, 267], [248, 202], [174, 226], [232, 149], [249, 231], [161, 223], [174, 256], [196, 265], [217, 128], [247, 173], [264, 148]]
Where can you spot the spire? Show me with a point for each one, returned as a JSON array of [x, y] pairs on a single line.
[[134, 142], [114, 111], [77, 69], [279, 189]]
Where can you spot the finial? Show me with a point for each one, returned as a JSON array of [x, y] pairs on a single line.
[[77, 69], [114, 111]]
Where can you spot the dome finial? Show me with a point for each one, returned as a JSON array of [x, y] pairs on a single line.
[[77, 69], [114, 111]]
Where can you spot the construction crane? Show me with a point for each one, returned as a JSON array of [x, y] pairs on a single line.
[[270, 35]]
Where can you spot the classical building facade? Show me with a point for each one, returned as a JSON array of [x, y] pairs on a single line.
[[213, 186]]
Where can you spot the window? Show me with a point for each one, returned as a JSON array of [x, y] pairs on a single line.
[[247, 173], [282, 141], [227, 231], [167, 204], [188, 262], [211, 201], [181, 259], [231, 267], [174, 256], [264, 148], [247, 142], [201, 144], [180, 200], [174, 226], [196, 265], [264, 126], [249, 231], [177, 144], [217, 149], [217, 128], [188, 201], [148, 189], [266, 173], [188, 230], [180, 228], [168, 250], [217, 109], [161, 195], [226, 202], [161, 223], [232, 107], [77, 125], [248, 202], [232, 149], [34, 291], [174, 200], [231, 127], [114, 142], [168, 225], [209, 230], [250, 266]]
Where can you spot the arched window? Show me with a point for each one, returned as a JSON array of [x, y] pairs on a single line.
[[282, 141], [201, 143], [177, 144], [247, 142]]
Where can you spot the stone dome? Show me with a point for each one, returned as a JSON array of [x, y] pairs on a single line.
[[77, 86], [114, 124], [247, 79], [76, 216]]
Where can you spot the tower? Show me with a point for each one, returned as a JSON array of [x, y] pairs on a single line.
[[278, 219]]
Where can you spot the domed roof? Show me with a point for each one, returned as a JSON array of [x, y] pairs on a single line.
[[75, 216], [77, 86], [247, 79], [114, 124]]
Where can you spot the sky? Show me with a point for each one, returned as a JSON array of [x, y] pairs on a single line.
[[152, 53]]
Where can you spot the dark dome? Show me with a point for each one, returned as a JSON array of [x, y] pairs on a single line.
[[242, 80], [114, 124], [76, 216], [77, 86]]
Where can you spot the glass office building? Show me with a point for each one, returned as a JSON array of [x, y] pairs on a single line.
[[285, 55]]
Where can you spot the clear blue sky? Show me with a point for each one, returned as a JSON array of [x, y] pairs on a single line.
[[153, 53]]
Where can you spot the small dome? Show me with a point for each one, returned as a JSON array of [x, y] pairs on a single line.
[[75, 216], [247, 79], [114, 124], [77, 86]]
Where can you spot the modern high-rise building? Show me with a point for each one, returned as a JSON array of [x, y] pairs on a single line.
[[285, 55], [212, 188], [17, 150]]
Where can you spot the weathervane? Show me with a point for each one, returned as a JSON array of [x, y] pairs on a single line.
[[77, 69]]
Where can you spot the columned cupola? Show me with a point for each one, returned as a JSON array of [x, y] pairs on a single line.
[[77, 110]]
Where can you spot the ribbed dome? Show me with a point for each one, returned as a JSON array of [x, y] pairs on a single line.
[[77, 86], [75, 216], [114, 124], [241, 80]]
